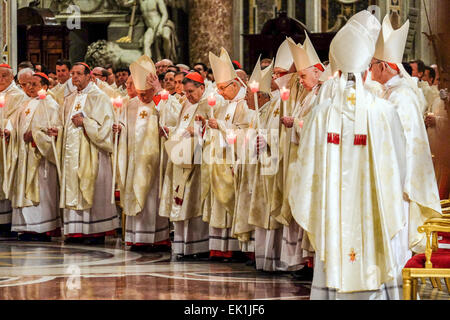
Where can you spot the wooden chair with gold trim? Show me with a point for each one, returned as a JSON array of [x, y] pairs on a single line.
[[435, 262]]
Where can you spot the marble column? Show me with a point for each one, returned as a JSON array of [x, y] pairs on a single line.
[[210, 28]]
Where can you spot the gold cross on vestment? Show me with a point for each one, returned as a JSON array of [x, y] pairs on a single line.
[[227, 117], [78, 107], [276, 112], [27, 112], [352, 255], [143, 114], [352, 99], [186, 117]]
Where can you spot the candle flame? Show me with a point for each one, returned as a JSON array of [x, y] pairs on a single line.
[[42, 94], [284, 93], [254, 86]]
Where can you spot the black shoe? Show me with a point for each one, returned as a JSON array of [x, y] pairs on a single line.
[[73, 240], [250, 263], [94, 240], [215, 259], [304, 274], [201, 256], [25, 237], [41, 237]]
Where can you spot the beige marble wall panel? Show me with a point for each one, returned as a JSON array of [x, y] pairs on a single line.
[[210, 28]]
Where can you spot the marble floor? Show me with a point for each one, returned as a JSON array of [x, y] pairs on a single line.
[[57, 271]]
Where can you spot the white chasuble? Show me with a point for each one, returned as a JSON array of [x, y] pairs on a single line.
[[347, 197]]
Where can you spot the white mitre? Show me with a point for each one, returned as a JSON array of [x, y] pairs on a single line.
[[140, 69], [352, 48], [263, 77], [304, 55], [283, 59], [222, 67], [390, 48], [351, 51], [391, 43]]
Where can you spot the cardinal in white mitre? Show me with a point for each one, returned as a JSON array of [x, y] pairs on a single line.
[[348, 195], [139, 162]]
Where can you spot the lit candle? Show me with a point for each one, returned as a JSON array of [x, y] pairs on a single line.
[[164, 94], [231, 140], [284, 93], [2, 105], [42, 94], [254, 86], [118, 102], [300, 124], [212, 103]]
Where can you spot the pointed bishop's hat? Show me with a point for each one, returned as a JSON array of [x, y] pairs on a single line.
[[283, 59], [391, 43], [140, 69], [263, 77], [304, 55], [222, 66]]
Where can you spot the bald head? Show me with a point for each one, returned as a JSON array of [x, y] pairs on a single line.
[[100, 73], [25, 76], [162, 66], [242, 75]]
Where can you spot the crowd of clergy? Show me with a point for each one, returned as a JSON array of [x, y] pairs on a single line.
[[323, 169]]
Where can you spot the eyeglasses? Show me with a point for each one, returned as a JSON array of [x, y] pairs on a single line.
[[223, 89], [372, 64]]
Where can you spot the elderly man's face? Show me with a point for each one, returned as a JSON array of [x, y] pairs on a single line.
[[24, 83], [79, 78], [193, 93], [161, 67], [228, 90], [309, 77], [34, 86], [97, 74], [6, 77], [146, 96]]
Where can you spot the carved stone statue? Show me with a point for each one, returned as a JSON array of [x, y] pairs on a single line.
[[104, 52], [159, 28]]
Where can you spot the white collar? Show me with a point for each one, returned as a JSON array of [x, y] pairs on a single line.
[[85, 90], [12, 85], [392, 81], [240, 95]]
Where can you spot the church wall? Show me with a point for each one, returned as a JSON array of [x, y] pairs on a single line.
[[210, 28]]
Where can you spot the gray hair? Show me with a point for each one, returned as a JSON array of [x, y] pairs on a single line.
[[25, 71]]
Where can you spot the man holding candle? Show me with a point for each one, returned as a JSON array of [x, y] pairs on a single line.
[[11, 97], [34, 189], [229, 117], [139, 162], [266, 183], [181, 192], [295, 246], [87, 144]]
